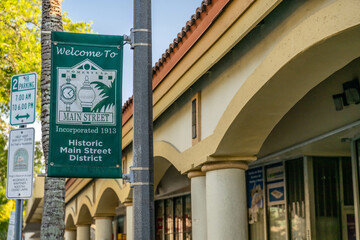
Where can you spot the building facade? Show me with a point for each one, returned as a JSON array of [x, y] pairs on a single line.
[[256, 130]]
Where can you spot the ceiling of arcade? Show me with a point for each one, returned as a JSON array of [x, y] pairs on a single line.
[[315, 115], [255, 121]]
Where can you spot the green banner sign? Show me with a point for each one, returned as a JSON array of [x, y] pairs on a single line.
[[85, 111]]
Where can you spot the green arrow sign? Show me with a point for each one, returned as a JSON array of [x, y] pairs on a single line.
[[22, 116], [86, 111]]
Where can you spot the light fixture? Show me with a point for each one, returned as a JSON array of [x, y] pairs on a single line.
[[351, 95], [352, 91], [339, 101]]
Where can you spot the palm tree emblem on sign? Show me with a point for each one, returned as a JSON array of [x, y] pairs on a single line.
[[108, 95]]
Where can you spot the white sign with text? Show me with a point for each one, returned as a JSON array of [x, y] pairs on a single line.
[[23, 99], [20, 163]]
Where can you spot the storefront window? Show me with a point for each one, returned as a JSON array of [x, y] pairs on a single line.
[[347, 181], [277, 223], [187, 218], [120, 228], [327, 198], [296, 199], [179, 219], [358, 159], [169, 219], [159, 224], [280, 189], [173, 218], [276, 201]]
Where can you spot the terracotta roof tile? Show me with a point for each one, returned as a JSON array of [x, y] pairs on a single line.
[[185, 32], [127, 103]]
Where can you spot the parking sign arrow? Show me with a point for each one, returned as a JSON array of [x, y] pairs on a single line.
[[22, 116]]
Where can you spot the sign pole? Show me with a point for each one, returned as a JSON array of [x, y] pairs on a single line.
[[18, 212], [18, 219], [21, 144], [144, 222]]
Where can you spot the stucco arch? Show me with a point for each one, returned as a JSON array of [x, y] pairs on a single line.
[[103, 184], [165, 155], [312, 51], [84, 215], [169, 152], [69, 222], [107, 201]]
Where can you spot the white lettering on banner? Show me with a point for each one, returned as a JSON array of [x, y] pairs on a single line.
[[82, 150], [85, 158], [83, 53]]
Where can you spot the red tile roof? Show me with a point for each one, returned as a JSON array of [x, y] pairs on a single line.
[[182, 34]]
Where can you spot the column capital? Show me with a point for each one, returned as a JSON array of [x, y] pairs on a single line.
[[196, 173], [211, 166], [103, 217], [83, 225], [71, 229], [128, 203]]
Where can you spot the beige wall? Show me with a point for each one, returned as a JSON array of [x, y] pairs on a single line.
[[177, 127], [230, 85], [226, 78]]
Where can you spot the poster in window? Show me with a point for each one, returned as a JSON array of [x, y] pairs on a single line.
[[255, 189], [275, 184]]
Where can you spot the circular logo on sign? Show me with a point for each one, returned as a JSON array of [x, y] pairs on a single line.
[[21, 160]]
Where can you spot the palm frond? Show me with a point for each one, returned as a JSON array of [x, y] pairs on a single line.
[[108, 94]]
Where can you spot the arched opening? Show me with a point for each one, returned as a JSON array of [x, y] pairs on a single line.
[[107, 203], [172, 183], [172, 201], [69, 223], [84, 216]]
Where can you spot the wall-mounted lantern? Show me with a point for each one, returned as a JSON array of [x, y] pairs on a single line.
[[351, 95]]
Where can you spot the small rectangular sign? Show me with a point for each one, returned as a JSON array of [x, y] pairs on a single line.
[[86, 110], [275, 184], [20, 163], [23, 99]]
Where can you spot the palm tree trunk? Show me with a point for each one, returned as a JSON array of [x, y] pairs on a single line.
[[52, 225]]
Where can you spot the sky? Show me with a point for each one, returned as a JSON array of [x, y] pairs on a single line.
[[115, 17]]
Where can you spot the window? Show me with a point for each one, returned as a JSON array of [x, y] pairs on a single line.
[[121, 227], [296, 198], [173, 218], [256, 202], [276, 201], [124, 168], [327, 198], [347, 181], [195, 118], [357, 150]]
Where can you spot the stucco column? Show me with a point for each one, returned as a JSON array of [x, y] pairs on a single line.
[[114, 229], [226, 200], [103, 228], [83, 232], [198, 205], [129, 220], [70, 234]]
